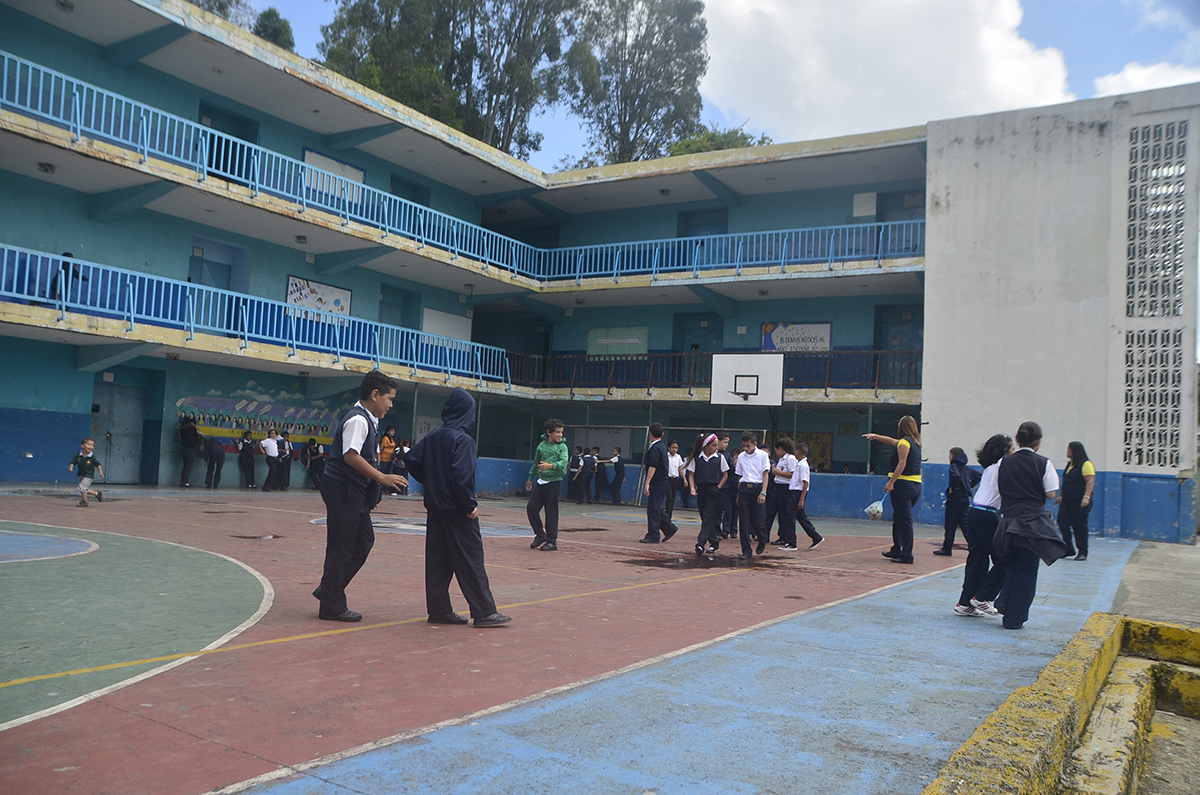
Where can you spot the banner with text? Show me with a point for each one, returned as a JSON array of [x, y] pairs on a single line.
[[796, 337]]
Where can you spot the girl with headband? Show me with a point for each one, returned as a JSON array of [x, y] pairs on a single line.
[[706, 472]]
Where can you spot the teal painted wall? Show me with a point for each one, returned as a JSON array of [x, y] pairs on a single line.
[[46, 217], [853, 320], [792, 210], [37, 41]]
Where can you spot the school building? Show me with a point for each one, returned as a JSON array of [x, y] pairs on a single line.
[[195, 222]]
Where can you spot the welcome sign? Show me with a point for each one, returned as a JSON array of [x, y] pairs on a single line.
[[796, 337]]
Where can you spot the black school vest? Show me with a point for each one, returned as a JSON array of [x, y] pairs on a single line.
[[912, 464], [708, 473], [1020, 479], [1073, 484], [337, 468]]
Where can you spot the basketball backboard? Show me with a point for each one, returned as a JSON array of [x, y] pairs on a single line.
[[747, 379]]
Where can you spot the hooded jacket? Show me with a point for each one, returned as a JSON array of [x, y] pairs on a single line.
[[555, 453], [444, 461], [962, 478]]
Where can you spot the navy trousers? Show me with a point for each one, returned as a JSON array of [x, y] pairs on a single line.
[[1073, 515], [584, 488], [729, 513], [454, 548], [984, 573], [777, 509], [544, 496], [212, 477], [800, 515], [1020, 586], [750, 515], [349, 537], [708, 499], [904, 495], [656, 515], [957, 506]]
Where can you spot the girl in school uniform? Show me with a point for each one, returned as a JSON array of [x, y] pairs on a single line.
[[981, 584], [706, 472], [1075, 501], [904, 484], [245, 448], [1025, 533]]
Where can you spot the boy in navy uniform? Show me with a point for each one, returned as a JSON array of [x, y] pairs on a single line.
[[753, 468], [729, 518], [601, 482], [215, 453], [963, 480], [656, 489], [351, 487], [618, 477], [587, 469], [444, 462]]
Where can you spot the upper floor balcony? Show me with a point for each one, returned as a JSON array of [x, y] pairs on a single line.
[[81, 110]]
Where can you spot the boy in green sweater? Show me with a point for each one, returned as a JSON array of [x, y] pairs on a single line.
[[543, 485]]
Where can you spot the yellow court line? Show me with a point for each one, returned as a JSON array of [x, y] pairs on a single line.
[[327, 633]]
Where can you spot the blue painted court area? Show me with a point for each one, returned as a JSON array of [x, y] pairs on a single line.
[[870, 696], [25, 546]]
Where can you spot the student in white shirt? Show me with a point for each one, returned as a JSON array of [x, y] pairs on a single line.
[[981, 585], [675, 482], [753, 467], [777, 494], [797, 494], [270, 448]]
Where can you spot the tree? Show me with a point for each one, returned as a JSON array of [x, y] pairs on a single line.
[[275, 29], [481, 66], [712, 138], [633, 75]]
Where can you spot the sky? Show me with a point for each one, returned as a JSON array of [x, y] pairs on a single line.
[[804, 69]]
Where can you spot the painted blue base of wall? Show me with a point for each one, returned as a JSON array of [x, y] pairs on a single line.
[[37, 446], [504, 477]]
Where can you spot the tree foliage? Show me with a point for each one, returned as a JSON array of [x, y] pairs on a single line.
[[633, 75], [239, 12], [481, 66], [271, 26], [712, 138]]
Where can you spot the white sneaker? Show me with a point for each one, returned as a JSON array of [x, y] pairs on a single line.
[[986, 608], [967, 610]]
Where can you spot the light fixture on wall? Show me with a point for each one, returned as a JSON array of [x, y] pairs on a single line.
[[664, 192], [174, 357], [302, 374], [301, 240], [65, 6], [46, 168], [763, 292], [579, 301]]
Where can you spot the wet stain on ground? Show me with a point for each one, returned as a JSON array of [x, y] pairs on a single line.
[[260, 538], [222, 512], [702, 562], [583, 529]]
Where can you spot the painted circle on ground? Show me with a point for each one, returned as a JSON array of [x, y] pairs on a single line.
[[21, 547]]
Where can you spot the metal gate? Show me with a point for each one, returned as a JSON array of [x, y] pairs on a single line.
[[117, 414]]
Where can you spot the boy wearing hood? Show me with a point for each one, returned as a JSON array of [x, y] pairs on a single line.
[[444, 462], [351, 487], [543, 485], [963, 480]]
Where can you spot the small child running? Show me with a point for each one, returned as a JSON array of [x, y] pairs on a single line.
[[88, 465]]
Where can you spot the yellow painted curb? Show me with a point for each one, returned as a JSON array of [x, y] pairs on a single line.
[[1156, 640]]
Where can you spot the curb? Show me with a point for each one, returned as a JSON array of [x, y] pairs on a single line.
[[1026, 746]]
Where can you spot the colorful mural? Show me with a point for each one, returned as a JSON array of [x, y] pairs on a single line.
[[228, 418]]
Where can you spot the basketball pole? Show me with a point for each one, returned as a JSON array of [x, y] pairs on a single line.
[[774, 412]]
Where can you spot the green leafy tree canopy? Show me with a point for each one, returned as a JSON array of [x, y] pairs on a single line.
[[633, 75], [712, 138], [271, 26]]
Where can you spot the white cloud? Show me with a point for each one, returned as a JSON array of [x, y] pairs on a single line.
[[802, 69], [1137, 77]]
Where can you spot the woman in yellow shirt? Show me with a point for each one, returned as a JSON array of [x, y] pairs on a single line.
[[904, 484], [387, 452], [1074, 501]]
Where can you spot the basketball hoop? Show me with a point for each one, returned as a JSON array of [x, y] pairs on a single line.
[[745, 386]]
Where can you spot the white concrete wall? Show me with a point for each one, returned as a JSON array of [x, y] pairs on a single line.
[[1026, 276]]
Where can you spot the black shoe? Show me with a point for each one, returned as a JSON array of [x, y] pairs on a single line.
[[345, 615], [549, 546], [1070, 553], [901, 560], [762, 547], [319, 592], [817, 543], [648, 540], [788, 547], [777, 542], [1081, 556], [447, 618], [724, 535], [943, 552], [208, 485], [890, 554], [494, 620], [668, 533], [713, 546], [746, 557], [537, 542], [699, 550], [100, 498]]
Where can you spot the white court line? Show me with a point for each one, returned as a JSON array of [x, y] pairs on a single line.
[[92, 547], [288, 770], [267, 600]]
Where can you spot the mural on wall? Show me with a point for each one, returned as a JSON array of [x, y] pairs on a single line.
[[820, 450], [228, 418], [796, 337], [314, 295]]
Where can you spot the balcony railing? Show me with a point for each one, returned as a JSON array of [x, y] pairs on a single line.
[[825, 369], [71, 285], [85, 109]]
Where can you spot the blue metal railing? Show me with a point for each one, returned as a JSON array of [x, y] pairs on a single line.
[[72, 285], [85, 109]]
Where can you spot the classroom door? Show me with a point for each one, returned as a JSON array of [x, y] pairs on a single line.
[[117, 414]]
